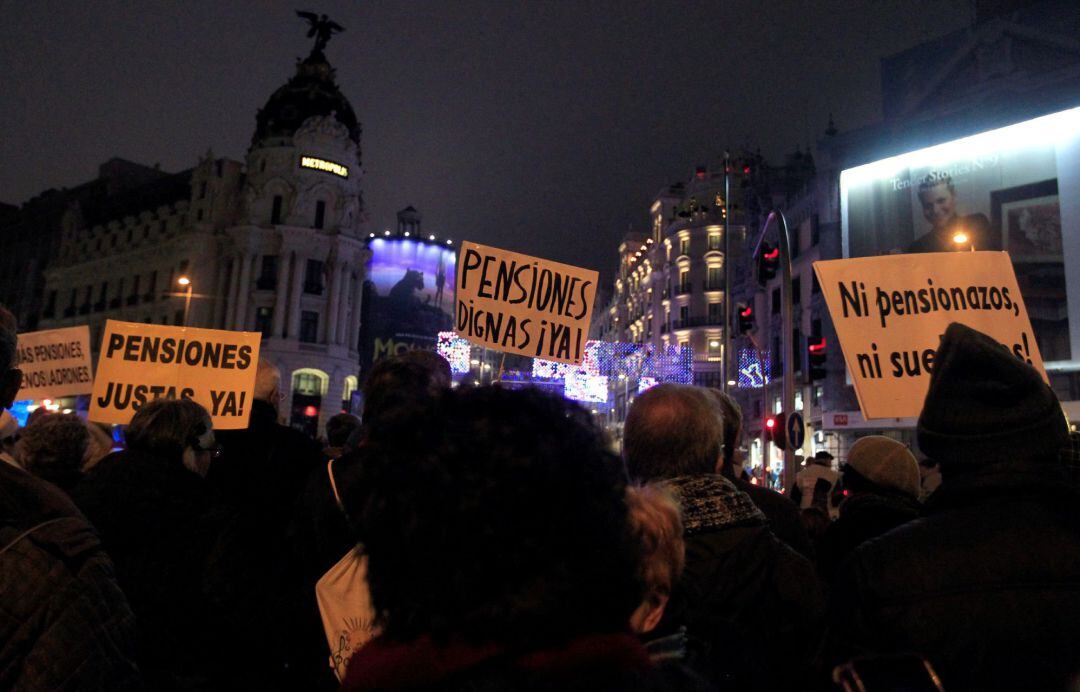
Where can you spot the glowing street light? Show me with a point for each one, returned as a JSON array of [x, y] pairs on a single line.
[[185, 281], [961, 238]]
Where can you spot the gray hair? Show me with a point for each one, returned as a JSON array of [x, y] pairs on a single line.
[[672, 430], [54, 447]]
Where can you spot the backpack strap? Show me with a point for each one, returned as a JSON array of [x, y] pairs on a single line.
[[32, 529], [333, 484]]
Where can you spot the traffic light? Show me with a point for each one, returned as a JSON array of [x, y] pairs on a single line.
[[774, 430], [816, 356], [768, 261], [746, 318]]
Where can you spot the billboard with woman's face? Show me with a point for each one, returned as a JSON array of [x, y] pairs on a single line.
[[1015, 189]]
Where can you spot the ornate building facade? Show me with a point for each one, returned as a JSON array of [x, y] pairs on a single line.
[[273, 244]]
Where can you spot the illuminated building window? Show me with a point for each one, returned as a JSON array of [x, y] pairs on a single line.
[[714, 241], [684, 281], [714, 279], [684, 246]]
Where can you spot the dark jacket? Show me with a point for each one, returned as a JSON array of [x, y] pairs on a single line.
[[64, 623], [782, 513], [158, 522], [863, 516], [742, 587], [986, 585]]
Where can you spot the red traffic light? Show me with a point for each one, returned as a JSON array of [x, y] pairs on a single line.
[[747, 312], [770, 423], [311, 411], [817, 346], [746, 170], [774, 255]]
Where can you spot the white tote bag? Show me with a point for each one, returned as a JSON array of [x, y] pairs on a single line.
[[345, 603]]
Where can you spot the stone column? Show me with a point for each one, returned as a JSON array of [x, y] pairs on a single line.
[[281, 292], [354, 317], [219, 297], [332, 305], [244, 291], [234, 281], [294, 296], [343, 303]]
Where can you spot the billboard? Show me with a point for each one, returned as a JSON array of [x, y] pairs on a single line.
[[1015, 189], [408, 297]]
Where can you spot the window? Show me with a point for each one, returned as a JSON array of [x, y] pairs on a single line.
[[151, 286], [134, 297], [202, 190], [817, 394], [684, 281], [309, 326], [320, 213], [307, 384], [776, 301], [815, 287], [714, 280], [313, 277], [684, 246], [275, 211], [50, 305], [199, 215], [267, 280], [714, 241], [714, 349], [716, 315], [264, 320], [684, 316], [178, 319], [796, 290]]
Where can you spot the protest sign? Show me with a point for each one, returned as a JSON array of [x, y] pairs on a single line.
[[525, 305], [55, 363], [142, 362], [891, 311]]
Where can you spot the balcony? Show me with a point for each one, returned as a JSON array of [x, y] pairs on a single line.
[[712, 285], [683, 289], [692, 322], [313, 289]]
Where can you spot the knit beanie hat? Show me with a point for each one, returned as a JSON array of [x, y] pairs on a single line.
[[984, 404], [884, 461]]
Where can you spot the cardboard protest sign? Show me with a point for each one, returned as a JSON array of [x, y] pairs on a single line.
[[142, 362], [55, 363], [525, 305], [891, 311]]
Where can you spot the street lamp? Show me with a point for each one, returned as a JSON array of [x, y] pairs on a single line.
[[961, 238], [186, 283]]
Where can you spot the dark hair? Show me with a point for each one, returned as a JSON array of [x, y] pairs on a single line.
[[53, 447], [672, 430], [431, 361], [339, 427], [166, 427], [398, 382], [731, 415], [501, 519]]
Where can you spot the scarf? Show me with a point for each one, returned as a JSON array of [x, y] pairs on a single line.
[[711, 501]]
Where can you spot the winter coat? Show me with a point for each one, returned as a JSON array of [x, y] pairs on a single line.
[[783, 516], [158, 522], [986, 585], [741, 587], [863, 516], [64, 623]]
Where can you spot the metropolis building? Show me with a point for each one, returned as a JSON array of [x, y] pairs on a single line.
[[274, 244]]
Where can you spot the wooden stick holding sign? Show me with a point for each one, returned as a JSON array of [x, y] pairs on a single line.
[[142, 362], [891, 311], [525, 305]]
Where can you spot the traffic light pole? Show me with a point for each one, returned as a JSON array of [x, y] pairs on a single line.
[[725, 363], [787, 347]]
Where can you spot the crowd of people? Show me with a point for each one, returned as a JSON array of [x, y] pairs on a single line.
[[483, 538]]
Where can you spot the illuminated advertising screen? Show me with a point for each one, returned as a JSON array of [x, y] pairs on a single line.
[[754, 368], [1015, 189], [408, 297]]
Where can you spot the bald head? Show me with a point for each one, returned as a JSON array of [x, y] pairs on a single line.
[[672, 430], [267, 382]]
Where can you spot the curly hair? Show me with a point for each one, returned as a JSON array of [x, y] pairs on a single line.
[[502, 519], [53, 447], [656, 522]]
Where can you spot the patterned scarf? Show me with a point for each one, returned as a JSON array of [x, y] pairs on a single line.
[[711, 501]]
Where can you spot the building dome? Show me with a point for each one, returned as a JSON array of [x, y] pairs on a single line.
[[312, 91]]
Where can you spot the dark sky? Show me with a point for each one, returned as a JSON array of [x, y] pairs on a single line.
[[544, 127]]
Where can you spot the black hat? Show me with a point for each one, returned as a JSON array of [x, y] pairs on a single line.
[[984, 404]]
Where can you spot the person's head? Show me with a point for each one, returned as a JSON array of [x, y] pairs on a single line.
[[268, 383], [401, 382], [731, 415], [177, 430], [984, 405], [339, 427], [53, 447], [938, 199], [101, 444], [656, 524], [431, 361], [876, 463], [10, 375], [823, 458], [672, 430], [503, 519]]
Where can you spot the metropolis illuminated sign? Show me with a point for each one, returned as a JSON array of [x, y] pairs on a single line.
[[324, 165], [1014, 189]]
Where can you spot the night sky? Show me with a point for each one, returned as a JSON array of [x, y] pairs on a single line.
[[543, 127]]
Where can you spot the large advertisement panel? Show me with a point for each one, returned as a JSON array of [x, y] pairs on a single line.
[[408, 297], [1015, 189]]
